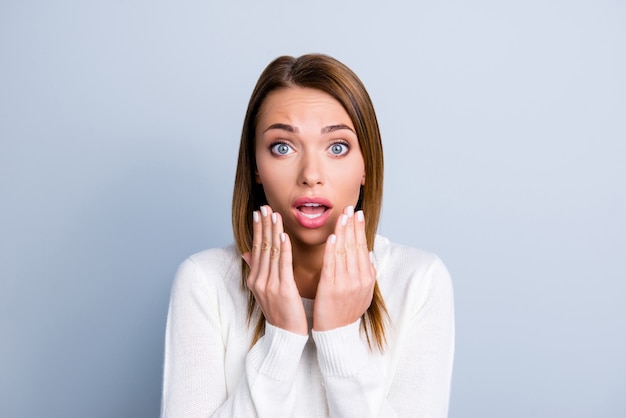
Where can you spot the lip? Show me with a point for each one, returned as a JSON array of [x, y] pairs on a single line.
[[317, 221]]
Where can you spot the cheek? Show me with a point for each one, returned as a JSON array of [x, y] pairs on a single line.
[[264, 171], [272, 181], [357, 172], [351, 183]]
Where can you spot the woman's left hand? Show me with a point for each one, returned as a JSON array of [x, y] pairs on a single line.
[[346, 285]]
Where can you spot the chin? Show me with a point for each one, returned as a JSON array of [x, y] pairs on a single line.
[[310, 237]]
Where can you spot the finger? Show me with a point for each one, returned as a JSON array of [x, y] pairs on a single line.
[[257, 236], [373, 271], [352, 260], [266, 243], [285, 266], [253, 258], [328, 266], [275, 253], [363, 254], [247, 257], [340, 250]]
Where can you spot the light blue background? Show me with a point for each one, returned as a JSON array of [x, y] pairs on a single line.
[[504, 125]]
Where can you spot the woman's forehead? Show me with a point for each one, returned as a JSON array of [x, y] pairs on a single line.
[[295, 105]]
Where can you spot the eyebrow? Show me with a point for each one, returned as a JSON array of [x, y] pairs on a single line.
[[283, 127], [334, 128], [294, 130]]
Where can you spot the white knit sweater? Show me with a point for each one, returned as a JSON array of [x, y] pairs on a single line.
[[210, 369]]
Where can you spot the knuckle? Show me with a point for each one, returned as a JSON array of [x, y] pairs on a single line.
[[329, 264], [271, 289], [254, 285], [354, 287], [340, 252], [274, 252], [265, 246], [258, 287], [367, 279], [285, 293]]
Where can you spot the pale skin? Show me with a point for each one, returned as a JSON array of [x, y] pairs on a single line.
[[306, 149]]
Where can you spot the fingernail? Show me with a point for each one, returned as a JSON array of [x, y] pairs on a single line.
[[282, 237], [332, 238], [350, 211], [344, 220], [273, 218], [255, 216], [359, 216], [263, 211]]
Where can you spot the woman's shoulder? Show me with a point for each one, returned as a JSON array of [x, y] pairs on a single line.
[[404, 270], [397, 256], [209, 267], [215, 258]]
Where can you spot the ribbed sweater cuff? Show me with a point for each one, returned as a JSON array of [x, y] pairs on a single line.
[[340, 351], [277, 353]]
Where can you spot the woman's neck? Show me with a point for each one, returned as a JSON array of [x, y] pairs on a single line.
[[307, 266]]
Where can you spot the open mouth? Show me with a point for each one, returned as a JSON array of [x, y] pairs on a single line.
[[312, 210]]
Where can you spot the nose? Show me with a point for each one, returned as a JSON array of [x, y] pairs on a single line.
[[311, 171]]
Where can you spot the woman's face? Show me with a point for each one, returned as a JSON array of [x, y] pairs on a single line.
[[308, 161]]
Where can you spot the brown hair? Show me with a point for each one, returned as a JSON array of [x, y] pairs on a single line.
[[323, 73]]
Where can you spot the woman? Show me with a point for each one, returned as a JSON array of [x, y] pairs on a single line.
[[309, 313]]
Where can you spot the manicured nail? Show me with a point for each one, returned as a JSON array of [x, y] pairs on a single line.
[[282, 237], [332, 238], [255, 216], [273, 218], [350, 211], [344, 220], [359, 216], [263, 211]]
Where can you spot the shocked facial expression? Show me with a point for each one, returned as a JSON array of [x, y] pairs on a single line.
[[308, 161]]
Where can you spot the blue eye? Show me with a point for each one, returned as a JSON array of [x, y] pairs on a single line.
[[339, 149], [281, 148]]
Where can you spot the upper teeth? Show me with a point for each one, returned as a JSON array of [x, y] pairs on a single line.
[[312, 204]]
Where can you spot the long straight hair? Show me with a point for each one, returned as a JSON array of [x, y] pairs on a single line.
[[326, 74]]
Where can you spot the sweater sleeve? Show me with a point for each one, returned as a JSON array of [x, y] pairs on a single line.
[[194, 380], [421, 385], [356, 385]]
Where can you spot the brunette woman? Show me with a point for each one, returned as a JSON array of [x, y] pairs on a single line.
[[309, 313]]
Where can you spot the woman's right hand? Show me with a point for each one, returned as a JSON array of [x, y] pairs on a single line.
[[271, 278]]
